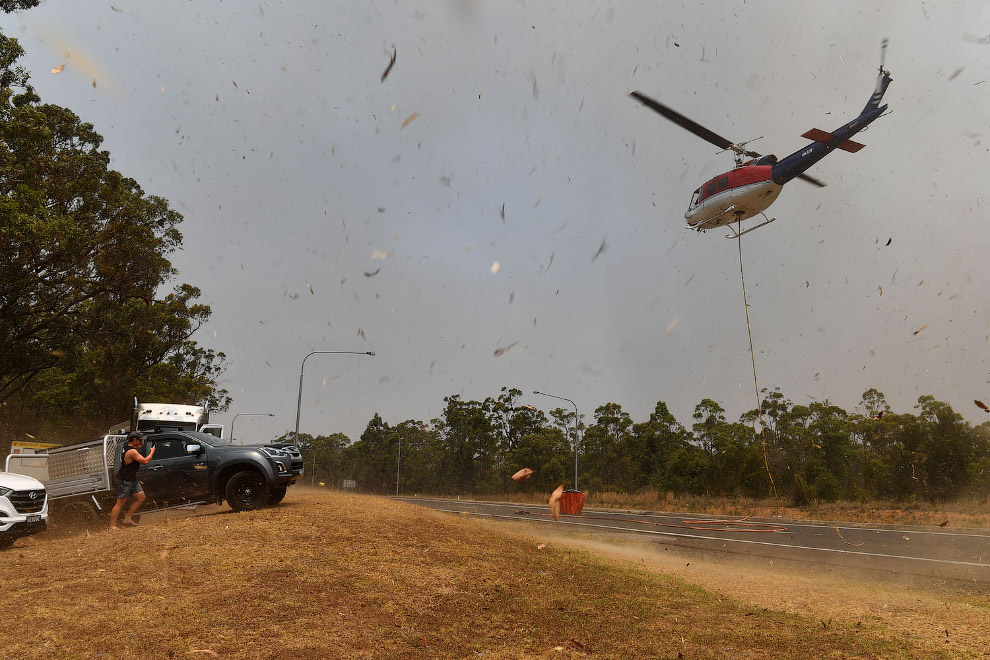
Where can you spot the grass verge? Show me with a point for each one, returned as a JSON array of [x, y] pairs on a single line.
[[330, 575]]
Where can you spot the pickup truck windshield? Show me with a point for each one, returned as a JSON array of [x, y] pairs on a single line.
[[208, 439]]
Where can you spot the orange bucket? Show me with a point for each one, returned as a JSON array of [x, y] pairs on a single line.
[[571, 503]]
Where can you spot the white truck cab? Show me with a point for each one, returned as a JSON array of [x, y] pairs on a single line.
[[150, 416], [23, 507]]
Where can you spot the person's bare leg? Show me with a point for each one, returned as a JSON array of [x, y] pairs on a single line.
[[135, 505], [115, 511]]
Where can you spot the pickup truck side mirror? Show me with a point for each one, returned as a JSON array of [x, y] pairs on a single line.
[[194, 449]]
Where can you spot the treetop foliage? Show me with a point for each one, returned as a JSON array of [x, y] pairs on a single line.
[[84, 256]]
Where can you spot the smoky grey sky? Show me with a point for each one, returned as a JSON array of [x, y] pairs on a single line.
[[327, 210]]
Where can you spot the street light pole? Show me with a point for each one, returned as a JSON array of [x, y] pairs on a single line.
[[552, 396], [303, 367], [232, 436]]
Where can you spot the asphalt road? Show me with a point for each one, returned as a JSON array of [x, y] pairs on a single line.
[[943, 554]]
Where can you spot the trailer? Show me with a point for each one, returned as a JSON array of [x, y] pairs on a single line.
[[79, 478]]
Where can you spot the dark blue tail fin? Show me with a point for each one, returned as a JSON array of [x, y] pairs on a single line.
[[883, 80]]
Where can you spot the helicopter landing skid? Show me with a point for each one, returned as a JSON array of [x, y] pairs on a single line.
[[737, 234]]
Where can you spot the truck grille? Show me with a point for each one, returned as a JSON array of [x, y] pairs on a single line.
[[28, 501]]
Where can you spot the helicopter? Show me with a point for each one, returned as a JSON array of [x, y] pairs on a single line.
[[752, 185]]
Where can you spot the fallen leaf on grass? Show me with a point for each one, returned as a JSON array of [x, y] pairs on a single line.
[[541, 546], [206, 651]]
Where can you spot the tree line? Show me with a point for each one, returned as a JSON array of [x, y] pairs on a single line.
[[804, 453]]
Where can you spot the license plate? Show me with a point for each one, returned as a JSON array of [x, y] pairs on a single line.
[[33, 518]]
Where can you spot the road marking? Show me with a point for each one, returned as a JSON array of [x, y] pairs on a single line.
[[728, 540]]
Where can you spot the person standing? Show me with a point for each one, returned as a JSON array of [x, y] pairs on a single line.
[[128, 485]]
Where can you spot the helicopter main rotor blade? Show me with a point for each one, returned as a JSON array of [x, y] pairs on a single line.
[[684, 122], [810, 179]]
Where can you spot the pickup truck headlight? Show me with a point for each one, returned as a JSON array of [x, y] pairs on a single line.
[[4, 492], [273, 452]]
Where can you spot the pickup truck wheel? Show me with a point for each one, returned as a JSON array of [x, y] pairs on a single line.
[[277, 496], [246, 491], [73, 516]]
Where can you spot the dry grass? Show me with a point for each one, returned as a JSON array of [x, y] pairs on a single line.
[[329, 575], [966, 512], [939, 617]]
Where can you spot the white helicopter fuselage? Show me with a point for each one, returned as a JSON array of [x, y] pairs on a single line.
[[733, 196]]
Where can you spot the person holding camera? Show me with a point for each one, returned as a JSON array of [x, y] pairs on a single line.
[[128, 485]]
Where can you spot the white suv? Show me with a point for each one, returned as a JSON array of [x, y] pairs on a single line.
[[23, 507]]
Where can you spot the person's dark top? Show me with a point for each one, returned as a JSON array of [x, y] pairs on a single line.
[[128, 471]]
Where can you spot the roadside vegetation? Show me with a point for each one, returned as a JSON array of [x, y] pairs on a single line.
[[330, 575], [818, 454]]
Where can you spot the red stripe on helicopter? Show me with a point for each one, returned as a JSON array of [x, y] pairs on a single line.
[[818, 135], [741, 176]]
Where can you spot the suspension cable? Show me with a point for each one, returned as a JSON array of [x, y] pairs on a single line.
[[756, 384]]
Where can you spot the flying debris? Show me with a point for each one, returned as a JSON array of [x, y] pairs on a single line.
[[391, 63], [522, 475], [503, 349], [310, 285], [361, 334], [601, 248], [410, 119], [555, 501], [879, 415], [502, 212], [889, 240], [59, 69], [981, 405], [919, 329], [496, 266], [372, 273]]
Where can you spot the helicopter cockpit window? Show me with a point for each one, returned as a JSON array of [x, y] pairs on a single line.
[[710, 189], [723, 183], [696, 197]]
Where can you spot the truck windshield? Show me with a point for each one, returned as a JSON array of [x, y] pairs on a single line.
[[208, 439]]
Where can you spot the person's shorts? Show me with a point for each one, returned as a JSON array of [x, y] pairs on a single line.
[[127, 488]]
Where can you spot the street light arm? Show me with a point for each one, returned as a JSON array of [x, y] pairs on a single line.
[[576, 436], [234, 437], [302, 368]]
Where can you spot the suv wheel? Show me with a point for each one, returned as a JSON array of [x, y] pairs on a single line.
[[246, 491], [277, 496]]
